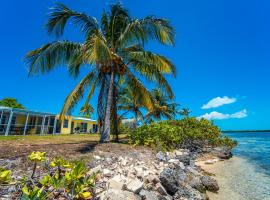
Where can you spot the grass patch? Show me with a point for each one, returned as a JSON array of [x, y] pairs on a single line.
[[55, 139]]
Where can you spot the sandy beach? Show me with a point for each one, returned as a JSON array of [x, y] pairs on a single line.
[[224, 178], [238, 180]]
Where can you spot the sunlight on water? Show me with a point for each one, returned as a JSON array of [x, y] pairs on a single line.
[[250, 173]]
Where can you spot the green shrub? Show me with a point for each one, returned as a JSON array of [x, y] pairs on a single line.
[[5, 176], [72, 178], [188, 133]]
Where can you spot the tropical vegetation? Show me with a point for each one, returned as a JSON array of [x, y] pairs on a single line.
[[164, 107], [185, 133], [61, 179], [185, 112], [114, 52], [11, 102], [129, 103]]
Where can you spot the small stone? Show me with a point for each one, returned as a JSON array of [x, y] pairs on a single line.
[[6, 197], [169, 181], [117, 182], [11, 188], [138, 169], [113, 194], [177, 152], [98, 190], [97, 157], [134, 185], [175, 161], [148, 195], [107, 172], [209, 162], [124, 163], [161, 156], [152, 179], [161, 189], [210, 183], [181, 165], [95, 170], [193, 171], [146, 173], [185, 158]]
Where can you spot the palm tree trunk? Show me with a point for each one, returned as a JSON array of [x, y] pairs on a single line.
[[115, 130], [136, 120], [105, 135], [100, 107]]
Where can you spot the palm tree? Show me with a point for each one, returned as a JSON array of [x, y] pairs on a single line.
[[164, 107], [130, 102], [185, 112], [87, 110], [112, 50]]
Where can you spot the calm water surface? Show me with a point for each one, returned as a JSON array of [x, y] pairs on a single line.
[[255, 147], [251, 173]]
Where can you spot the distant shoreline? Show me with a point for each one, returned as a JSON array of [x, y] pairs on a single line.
[[244, 131]]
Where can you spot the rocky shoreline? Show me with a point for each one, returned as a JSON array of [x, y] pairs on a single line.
[[143, 174]]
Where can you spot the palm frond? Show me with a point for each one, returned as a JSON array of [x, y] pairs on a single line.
[[118, 20], [153, 74], [150, 59], [87, 110], [140, 92], [97, 50], [77, 93], [132, 48], [59, 16], [148, 28], [159, 29], [90, 94], [105, 25], [47, 57]]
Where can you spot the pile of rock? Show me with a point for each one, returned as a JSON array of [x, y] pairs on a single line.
[[166, 176], [142, 174]]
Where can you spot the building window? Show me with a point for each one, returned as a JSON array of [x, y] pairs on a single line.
[[84, 127], [65, 123], [13, 120], [32, 121], [95, 128], [4, 118]]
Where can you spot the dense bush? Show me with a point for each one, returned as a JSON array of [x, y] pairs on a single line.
[[187, 133]]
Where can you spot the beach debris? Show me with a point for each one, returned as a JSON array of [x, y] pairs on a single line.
[[211, 161]]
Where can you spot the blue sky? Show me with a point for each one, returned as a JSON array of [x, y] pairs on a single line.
[[222, 50]]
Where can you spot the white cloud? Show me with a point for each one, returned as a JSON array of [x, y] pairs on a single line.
[[218, 101], [218, 116], [240, 114]]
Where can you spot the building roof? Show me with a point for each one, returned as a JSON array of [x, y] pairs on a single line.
[[84, 118], [24, 111], [31, 112]]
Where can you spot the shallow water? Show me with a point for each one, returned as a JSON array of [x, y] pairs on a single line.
[[249, 174]]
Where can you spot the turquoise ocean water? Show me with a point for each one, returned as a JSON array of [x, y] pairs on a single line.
[[255, 147], [251, 173]]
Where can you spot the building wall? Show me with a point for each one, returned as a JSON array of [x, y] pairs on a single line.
[[77, 123], [65, 130]]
